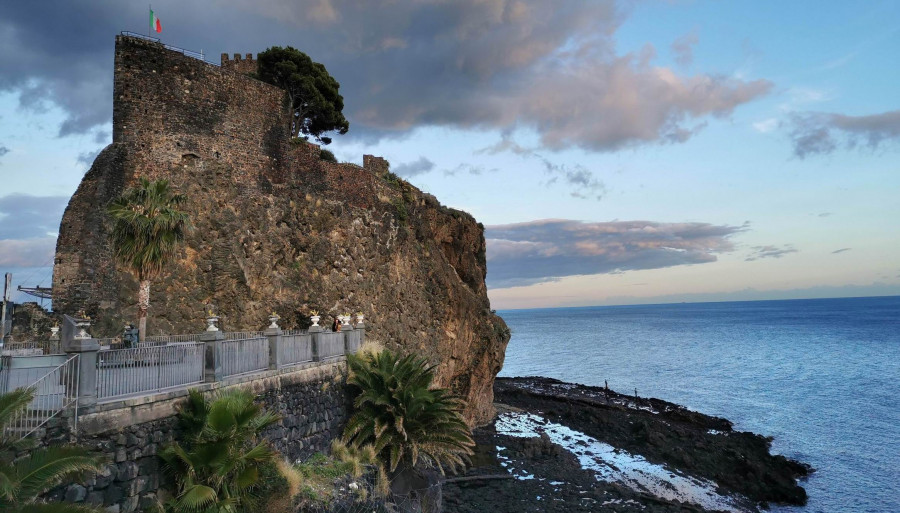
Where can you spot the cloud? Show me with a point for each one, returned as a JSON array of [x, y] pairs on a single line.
[[770, 252], [418, 167], [835, 252], [87, 158], [820, 133], [547, 250], [767, 125], [490, 64], [683, 48], [27, 252], [29, 217], [587, 185], [470, 169]]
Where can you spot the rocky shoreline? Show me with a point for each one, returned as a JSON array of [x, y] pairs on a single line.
[[557, 446]]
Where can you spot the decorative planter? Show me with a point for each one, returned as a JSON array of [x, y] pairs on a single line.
[[273, 320], [360, 318], [345, 320], [82, 325], [314, 319], [211, 323]]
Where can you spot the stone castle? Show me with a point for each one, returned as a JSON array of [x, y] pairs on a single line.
[[274, 226]]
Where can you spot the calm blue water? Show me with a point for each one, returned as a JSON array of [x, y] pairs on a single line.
[[822, 376]]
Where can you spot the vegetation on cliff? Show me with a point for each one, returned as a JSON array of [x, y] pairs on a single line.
[[23, 480], [408, 422], [147, 228], [315, 101], [219, 464]]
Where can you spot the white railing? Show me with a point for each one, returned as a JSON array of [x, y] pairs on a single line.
[[141, 370], [30, 348], [245, 355], [54, 391], [172, 339], [295, 349], [242, 335], [331, 345]]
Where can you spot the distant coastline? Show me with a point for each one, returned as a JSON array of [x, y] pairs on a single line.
[[674, 302]]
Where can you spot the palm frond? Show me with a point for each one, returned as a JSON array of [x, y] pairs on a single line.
[[46, 468]]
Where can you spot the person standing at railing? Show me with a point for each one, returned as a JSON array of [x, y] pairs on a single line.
[[130, 336], [336, 325]]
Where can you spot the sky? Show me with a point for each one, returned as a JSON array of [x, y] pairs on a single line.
[[617, 152]]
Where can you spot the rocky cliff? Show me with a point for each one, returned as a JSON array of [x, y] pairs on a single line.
[[275, 228]]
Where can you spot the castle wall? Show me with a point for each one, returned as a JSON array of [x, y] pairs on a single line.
[[274, 227]]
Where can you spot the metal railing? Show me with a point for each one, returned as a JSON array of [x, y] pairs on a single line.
[[31, 348], [245, 355], [331, 345], [242, 335], [172, 339], [189, 53], [140, 370], [295, 349], [295, 332], [54, 391]]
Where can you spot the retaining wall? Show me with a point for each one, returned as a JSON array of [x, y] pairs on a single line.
[[311, 398]]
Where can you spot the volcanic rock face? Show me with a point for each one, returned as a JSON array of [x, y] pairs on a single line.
[[275, 228]]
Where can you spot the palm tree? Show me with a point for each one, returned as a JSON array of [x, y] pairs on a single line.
[[147, 229], [23, 480], [408, 422], [217, 467]]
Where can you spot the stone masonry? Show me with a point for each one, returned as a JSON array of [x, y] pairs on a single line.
[[274, 226], [312, 400]]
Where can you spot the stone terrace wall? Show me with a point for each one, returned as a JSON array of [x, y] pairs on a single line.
[[275, 227], [312, 401]]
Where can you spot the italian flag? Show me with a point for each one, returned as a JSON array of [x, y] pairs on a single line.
[[154, 22]]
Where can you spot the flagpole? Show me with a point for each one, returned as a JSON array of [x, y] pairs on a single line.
[[149, 20]]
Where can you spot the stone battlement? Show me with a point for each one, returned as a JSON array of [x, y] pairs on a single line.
[[246, 65]]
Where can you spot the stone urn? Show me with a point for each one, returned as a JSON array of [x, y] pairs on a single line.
[[345, 320], [211, 323], [314, 319], [273, 321], [360, 318], [82, 326]]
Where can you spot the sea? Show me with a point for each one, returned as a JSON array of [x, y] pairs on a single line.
[[821, 376]]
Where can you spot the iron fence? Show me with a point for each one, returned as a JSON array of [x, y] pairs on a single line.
[[295, 349], [189, 53], [245, 355], [172, 339], [140, 370], [54, 391], [331, 345], [241, 335], [31, 348]]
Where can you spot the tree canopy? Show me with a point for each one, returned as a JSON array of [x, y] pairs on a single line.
[[314, 95]]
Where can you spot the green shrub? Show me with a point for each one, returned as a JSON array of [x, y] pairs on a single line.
[[397, 411], [402, 212], [219, 462], [327, 156]]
